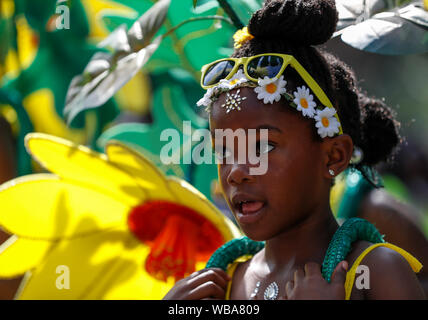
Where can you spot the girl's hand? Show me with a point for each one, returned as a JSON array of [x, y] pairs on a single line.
[[310, 284], [203, 284]]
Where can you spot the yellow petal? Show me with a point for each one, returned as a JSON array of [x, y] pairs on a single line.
[[18, 255], [87, 167], [131, 281], [42, 206], [147, 175], [189, 196], [85, 261]]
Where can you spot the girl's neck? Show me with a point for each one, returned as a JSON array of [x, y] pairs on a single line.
[[305, 242]]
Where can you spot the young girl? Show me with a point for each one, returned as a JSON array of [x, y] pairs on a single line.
[[283, 84]]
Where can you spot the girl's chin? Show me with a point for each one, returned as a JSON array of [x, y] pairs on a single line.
[[256, 234], [256, 237]]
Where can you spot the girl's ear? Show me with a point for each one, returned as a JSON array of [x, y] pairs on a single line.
[[337, 154]]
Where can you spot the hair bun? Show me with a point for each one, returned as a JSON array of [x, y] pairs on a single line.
[[380, 130], [301, 22]]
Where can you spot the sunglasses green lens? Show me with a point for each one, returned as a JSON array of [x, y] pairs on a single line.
[[264, 66], [217, 71]]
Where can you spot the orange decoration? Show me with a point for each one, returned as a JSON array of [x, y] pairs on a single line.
[[325, 122], [171, 230], [304, 103], [271, 88]]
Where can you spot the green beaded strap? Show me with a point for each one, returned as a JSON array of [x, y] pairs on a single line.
[[232, 250], [352, 230]]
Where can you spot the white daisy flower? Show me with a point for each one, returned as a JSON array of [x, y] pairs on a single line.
[[304, 101], [326, 122], [270, 90], [206, 99], [237, 79]]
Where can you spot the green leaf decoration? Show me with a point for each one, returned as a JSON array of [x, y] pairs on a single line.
[[240, 11], [13, 98], [193, 44], [171, 107], [231, 13], [385, 27], [5, 40], [356, 11], [144, 29], [58, 54], [353, 12], [107, 73], [415, 13]]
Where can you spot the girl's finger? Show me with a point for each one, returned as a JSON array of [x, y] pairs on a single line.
[[339, 273], [207, 290], [298, 275], [218, 270], [220, 278], [289, 288], [312, 269]]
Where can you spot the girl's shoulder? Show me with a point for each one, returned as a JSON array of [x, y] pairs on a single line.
[[240, 263], [380, 271], [381, 256], [357, 249], [236, 272]]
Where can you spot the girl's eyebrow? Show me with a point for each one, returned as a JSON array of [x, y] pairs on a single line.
[[262, 126], [269, 127]]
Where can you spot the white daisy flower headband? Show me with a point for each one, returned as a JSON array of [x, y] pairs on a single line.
[[271, 90]]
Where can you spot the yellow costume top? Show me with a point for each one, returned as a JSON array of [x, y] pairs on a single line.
[[350, 275]]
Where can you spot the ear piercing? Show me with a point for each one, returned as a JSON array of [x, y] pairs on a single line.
[[331, 171]]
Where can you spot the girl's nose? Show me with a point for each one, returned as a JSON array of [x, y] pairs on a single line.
[[239, 173]]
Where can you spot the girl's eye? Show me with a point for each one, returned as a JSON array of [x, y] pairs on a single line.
[[264, 148]]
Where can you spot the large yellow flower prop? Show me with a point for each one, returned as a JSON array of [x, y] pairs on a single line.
[[112, 223]]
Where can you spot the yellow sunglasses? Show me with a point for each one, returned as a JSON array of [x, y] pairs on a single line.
[[270, 65]]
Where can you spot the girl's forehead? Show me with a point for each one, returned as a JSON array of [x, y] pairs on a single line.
[[252, 113]]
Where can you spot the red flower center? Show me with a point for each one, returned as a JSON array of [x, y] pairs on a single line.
[[177, 235]]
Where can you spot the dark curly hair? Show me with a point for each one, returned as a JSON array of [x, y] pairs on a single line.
[[294, 27]]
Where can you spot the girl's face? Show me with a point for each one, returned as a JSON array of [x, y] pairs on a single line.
[[293, 186]]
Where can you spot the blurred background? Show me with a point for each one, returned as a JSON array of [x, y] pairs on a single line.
[[42, 53]]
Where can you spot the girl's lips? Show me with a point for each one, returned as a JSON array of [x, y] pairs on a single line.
[[250, 212], [251, 207]]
